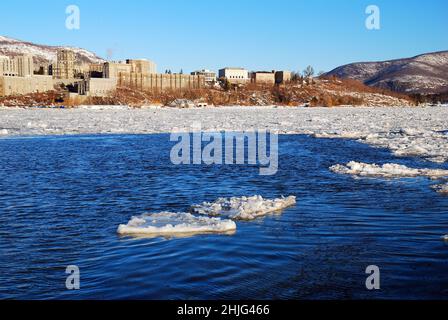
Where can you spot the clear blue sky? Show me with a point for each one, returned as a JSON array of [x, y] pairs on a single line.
[[256, 34]]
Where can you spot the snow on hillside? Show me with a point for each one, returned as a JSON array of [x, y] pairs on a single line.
[[427, 73], [435, 59], [12, 47]]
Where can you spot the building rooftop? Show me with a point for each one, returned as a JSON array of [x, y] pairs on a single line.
[[232, 68], [204, 71]]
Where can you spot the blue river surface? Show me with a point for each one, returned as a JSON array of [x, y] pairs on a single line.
[[62, 199]]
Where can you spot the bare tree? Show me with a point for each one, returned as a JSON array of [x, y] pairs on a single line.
[[308, 72], [296, 77]]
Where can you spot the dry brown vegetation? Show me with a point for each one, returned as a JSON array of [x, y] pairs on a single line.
[[358, 86], [33, 99], [326, 92]]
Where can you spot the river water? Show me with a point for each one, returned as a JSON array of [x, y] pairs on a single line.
[[62, 199]]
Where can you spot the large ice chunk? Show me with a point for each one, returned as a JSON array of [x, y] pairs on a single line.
[[430, 144], [169, 223], [441, 188], [244, 208], [390, 170]]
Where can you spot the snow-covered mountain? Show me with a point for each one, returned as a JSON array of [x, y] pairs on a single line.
[[42, 53], [426, 73]]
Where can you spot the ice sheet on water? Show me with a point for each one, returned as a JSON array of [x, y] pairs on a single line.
[[340, 135], [170, 223], [430, 144], [389, 170], [244, 208]]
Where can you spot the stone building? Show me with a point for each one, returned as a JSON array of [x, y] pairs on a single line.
[[114, 69], [283, 76], [234, 75], [96, 87], [141, 75], [2, 62], [96, 70], [142, 66], [24, 85], [17, 77], [210, 76], [65, 65], [161, 82], [25, 65], [8, 67], [19, 66], [263, 77]]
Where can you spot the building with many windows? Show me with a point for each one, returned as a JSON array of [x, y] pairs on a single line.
[[234, 75], [65, 65], [17, 76], [209, 76], [19, 66]]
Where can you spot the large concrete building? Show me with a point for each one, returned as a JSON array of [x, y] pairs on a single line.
[[141, 75], [114, 69], [96, 87], [65, 65], [142, 66], [25, 65], [263, 77], [161, 82], [17, 77], [234, 75], [19, 66], [96, 70], [24, 85]]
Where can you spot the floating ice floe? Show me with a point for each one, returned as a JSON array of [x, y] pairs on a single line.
[[169, 223], [340, 135], [429, 144], [244, 208], [441, 188], [387, 170]]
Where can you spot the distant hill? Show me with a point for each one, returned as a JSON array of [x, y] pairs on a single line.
[[42, 53], [426, 73]]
